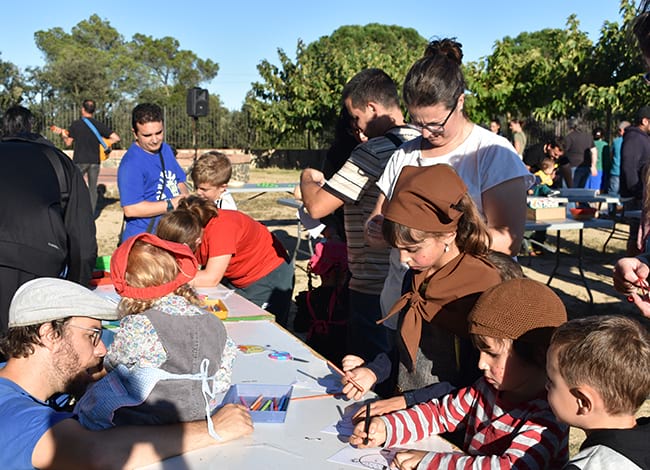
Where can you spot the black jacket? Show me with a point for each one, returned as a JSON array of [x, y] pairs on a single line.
[[36, 234], [615, 448], [635, 155]]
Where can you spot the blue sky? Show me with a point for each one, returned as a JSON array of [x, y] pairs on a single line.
[[239, 34]]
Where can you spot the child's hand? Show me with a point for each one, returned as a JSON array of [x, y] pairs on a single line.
[[382, 407], [374, 235], [376, 434], [351, 361], [408, 459], [361, 376]]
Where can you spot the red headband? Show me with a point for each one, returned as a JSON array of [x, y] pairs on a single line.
[[187, 266]]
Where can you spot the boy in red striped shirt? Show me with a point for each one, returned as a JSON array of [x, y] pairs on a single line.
[[507, 420]]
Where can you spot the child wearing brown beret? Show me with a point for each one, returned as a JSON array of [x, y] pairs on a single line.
[[506, 417], [434, 223]]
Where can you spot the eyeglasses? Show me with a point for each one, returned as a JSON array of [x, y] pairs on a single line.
[[434, 127], [95, 338]]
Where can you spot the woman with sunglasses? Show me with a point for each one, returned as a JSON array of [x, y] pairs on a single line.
[[495, 176]]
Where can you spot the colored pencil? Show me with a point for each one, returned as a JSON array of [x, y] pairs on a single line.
[[312, 397], [243, 402], [256, 403], [266, 405], [284, 401], [342, 374]]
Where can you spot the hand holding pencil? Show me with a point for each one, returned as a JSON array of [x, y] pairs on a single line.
[[369, 434]]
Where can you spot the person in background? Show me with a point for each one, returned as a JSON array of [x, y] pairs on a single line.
[[495, 126], [54, 345], [371, 98], [518, 136], [234, 250], [544, 178], [598, 378], [47, 227], [551, 148], [505, 416], [86, 145], [602, 160], [211, 173], [165, 377], [635, 156], [580, 150], [613, 185], [150, 180]]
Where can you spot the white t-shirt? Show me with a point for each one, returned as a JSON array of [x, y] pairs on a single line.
[[226, 201], [483, 161]]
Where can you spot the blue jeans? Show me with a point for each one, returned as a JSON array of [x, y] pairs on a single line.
[[92, 171], [580, 176]]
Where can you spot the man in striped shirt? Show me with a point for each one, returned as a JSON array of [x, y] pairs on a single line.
[[371, 99]]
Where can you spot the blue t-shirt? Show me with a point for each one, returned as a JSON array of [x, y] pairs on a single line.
[[23, 421], [140, 178]]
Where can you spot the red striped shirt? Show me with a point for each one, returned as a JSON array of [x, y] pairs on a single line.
[[498, 434]]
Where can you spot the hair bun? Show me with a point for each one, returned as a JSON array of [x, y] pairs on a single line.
[[448, 47]]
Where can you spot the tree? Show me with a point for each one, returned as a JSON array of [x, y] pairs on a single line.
[[613, 86], [11, 85], [88, 62], [534, 73], [170, 70], [305, 94], [552, 74]]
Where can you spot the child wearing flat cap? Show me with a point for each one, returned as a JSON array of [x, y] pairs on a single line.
[[506, 417], [435, 225], [169, 357]]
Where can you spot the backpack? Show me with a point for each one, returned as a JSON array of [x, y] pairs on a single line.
[[323, 311]]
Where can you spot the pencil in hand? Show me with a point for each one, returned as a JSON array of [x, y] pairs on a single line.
[[342, 374], [366, 424]]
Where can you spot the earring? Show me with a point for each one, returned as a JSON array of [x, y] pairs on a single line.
[[446, 248]]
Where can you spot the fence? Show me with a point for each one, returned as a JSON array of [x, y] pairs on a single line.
[[220, 129]]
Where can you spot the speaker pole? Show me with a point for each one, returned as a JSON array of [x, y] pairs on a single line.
[[195, 121]]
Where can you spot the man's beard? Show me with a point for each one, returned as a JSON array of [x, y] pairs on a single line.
[[67, 366]]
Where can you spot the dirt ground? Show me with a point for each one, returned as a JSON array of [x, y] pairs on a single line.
[[568, 285]]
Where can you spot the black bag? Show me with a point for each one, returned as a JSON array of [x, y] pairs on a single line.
[[323, 315]]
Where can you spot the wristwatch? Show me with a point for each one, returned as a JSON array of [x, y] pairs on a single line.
[[170, 206]]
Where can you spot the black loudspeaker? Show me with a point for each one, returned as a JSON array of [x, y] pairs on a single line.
[[197, 102]]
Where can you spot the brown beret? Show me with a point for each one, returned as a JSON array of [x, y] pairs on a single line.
[[425, 198], [520, 309]]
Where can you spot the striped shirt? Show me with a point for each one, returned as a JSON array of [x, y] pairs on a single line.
[[355, 185], [498, 434]]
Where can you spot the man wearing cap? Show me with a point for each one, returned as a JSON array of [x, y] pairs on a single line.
[[54, 346]]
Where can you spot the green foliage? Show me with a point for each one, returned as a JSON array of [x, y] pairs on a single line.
[[11, 85], [542, 75], [305, 94]]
